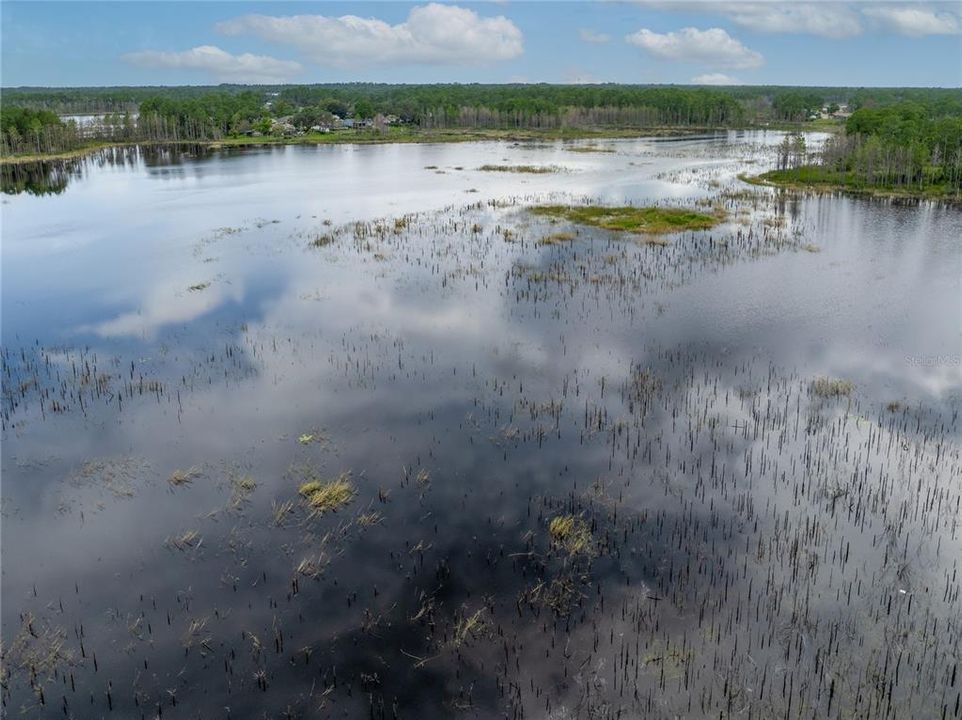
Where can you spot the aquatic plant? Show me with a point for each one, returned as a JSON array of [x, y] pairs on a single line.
[[322, 497]]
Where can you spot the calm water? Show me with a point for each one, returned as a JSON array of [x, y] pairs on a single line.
[[187, 337]]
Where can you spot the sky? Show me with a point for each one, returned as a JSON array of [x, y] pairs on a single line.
[[821, 42]]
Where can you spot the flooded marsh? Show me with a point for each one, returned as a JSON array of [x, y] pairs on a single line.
[[365, 431]]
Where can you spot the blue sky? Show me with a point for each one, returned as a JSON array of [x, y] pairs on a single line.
[[822, 42]]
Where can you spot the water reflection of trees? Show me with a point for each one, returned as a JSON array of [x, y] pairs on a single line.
[[51, 177]]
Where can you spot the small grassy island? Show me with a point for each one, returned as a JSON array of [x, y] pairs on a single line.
[[648, 220]]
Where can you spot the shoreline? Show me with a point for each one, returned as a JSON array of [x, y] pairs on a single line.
[[391, 136], [827, 188]]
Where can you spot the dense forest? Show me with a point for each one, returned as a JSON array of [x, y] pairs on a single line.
[[906, 136]]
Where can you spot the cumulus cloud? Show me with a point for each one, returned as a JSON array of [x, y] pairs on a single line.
[[713, 47], [915, 21], [220, 64], [714, 79], [432, 34], [592, 36]]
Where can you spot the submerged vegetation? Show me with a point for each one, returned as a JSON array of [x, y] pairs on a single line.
[[654, 220]]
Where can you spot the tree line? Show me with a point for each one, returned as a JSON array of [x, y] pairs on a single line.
[[900, 146], [31, 123]]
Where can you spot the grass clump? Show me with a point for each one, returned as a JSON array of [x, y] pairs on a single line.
[[654, 220], [187, 540], [468, 627], [557, 238], [321, 240], [589, 149], [529, 169], [241, 488], [571, 533], [322, 497], [183, 477], [831, 387]]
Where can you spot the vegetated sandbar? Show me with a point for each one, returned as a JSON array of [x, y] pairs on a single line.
[[652, 219]]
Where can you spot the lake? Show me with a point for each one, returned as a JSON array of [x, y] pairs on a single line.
[[348, 431]]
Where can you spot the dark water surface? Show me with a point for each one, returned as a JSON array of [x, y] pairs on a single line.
[[190, 336]]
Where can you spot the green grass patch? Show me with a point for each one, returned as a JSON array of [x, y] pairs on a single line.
[[654, 220]]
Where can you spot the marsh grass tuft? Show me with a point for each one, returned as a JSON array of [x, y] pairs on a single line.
[[180, 478], [653, 220], [558, 238], [527, 169], [280, 511], [571, 533], [322, 497], [589, 149], [321, 240], [831, 387], [468, 627], [38, 648], [187, 540], [241, 489]]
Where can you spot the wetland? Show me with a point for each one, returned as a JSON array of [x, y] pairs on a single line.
[[556, 429]]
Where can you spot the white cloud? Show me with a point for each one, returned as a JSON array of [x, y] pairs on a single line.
[[714, 79], [828, 19], [709, 47], [220, 64], [167, 303], [432, 34], [592, 36], [915, 21]]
